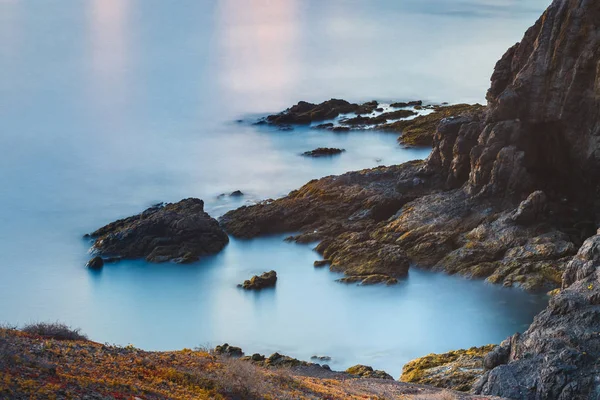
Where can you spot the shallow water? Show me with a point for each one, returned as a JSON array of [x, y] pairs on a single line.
[[109, 106]]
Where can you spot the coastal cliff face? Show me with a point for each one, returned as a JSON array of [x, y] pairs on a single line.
[[509, 194]]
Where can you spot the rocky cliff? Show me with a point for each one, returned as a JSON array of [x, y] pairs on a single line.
[[509, 195]]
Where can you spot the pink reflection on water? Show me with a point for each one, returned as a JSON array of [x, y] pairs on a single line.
[[258, 50], [110, 52]]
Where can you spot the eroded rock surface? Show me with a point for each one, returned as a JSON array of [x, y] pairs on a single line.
[[258, 282], [364, 371], [180, 232], [456, 370]]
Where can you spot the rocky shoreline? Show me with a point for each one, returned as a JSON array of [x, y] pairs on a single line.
[[508, 194]]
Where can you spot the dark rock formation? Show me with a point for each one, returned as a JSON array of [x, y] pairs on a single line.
[[180, 232], [258, 282], [227, 350], [304, 113], [237, 193], [364, 371], [456, 370], [95, 263], [323, 152], [407, 104], [415, 132]]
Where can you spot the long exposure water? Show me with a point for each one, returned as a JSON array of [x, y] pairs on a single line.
[[109, 106]]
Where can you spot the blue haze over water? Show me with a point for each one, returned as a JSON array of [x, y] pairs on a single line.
[[109, 106]]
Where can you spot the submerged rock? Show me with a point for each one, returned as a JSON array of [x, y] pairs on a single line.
[[180, 232], [323, 152], [364, 371], [95, 263], [257, 282], [456, 370]]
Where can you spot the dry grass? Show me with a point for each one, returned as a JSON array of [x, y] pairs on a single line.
[[444, 395]]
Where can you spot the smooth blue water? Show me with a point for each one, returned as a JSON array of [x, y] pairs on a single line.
[[108, 106]]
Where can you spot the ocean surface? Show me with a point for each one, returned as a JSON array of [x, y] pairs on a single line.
[[110, 106]]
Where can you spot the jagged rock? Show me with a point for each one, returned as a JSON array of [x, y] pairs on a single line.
[[227, 350], [95, 263], [456, 370], [305, 113], [322, 152], [364, 371], [237, 193], [180, 232], [258, 282]]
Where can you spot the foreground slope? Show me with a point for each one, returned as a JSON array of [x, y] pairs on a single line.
[[34, 367]]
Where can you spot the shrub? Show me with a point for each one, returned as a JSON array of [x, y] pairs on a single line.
[[54, 330]]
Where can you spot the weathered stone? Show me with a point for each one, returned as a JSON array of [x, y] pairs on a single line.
[[180, 232], [456, 370], [364, 371], [258, 282], [230, 351]]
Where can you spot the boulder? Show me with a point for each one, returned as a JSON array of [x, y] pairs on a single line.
[[180, 232], [364, 371], [258, 282], [95, 263]]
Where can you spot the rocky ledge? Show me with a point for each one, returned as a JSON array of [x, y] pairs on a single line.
[[180, 232], [417, 130], [258, 282], [323, 152], [457, 370]]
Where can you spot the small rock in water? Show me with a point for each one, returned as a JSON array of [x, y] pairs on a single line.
[[323, 151], [95, 263], [237, 193], [257, 282]]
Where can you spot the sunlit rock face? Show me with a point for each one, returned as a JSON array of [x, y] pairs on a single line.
[[542, 131], [542, 127]]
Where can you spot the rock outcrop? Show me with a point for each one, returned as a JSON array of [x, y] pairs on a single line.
[[508, 195], [258, 282], [456, 370], [180, 232], [365, 371], [415, 130], [505, 194]]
